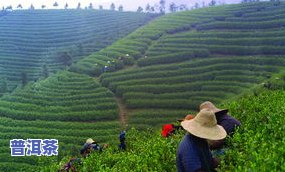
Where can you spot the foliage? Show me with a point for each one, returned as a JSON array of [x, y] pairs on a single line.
[[57, 44], [276, 82], [172, 83], [146, 151], [256, 146], [259, 144]]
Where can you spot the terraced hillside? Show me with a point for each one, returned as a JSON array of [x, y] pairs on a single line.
[[183, 59], [35, 43], [160, 72], [67, 106], [262, 128]]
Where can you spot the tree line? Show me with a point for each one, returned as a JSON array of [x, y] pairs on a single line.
[[159, 7]]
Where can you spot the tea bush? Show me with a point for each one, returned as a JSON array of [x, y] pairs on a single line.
[[259, 143], [146, 151]]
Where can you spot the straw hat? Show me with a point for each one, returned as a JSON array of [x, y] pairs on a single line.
[[90, 141], [209, 105], [204, 125]]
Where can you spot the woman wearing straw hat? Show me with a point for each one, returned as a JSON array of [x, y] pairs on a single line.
[[193, 153], [89, 146], [228, 122]]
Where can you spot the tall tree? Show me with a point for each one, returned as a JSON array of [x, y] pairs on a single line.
[[147, 8], [162, 7], [90, 6], [172, 7], [20, 6], [55, 4], [78, 5], [43, 6], [121, 8], [100, 7], [66, 6], [212, 3], [32, 7], [140, 9], [152, 9], [9, 7], [183, 7], [112, 7]]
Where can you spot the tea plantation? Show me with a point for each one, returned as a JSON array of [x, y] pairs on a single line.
[[66, 106], [257, 146], [154, 75], [205, 54], [34, 43]]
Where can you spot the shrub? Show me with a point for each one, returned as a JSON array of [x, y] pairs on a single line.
[[259, 144], [146, 151]]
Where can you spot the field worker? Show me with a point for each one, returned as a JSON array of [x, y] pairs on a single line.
[[89, 146], [86, 150], [187, 117], [170, 129], [71, 165], [167, 130], [193, 153], [224, 119], [122, 138]]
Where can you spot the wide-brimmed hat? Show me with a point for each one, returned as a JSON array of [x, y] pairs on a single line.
[[90, 141], [212, 107], [204, 125]]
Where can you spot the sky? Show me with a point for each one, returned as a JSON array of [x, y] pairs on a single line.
[[129, 5]]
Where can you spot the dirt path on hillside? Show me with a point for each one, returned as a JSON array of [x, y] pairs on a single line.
[[123, 112]]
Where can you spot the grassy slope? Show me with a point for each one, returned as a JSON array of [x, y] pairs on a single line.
[[257, 146], [189, 57], [31, 39], [260, 113], [144, 42], [66, 106]]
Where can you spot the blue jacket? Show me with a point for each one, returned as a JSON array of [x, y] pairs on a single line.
[[193, 154]]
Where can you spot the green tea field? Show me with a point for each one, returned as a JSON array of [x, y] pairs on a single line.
[[36, 43], [205, 54], [94, 73]]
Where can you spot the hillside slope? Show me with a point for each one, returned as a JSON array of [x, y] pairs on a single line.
[[257, 146], [162, 71], [66, 106], [35, 43], [186, 58]]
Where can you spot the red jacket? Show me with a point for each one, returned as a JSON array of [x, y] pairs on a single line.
[[167, 130]]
